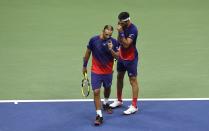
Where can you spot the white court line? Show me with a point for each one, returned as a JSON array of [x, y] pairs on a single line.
[[84, 100]]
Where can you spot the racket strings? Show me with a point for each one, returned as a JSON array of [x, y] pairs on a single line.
[[85, 87]]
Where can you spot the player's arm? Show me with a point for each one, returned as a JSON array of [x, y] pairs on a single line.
[[86, 59], [114, 53], [126, 42]]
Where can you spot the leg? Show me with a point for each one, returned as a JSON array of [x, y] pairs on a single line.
[[97, 101], [107, 82], [135, 89], [120, 77], [106, 106], [107, 92], [132, 73], [96, 85]]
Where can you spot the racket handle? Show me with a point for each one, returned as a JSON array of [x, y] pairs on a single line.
[[85, 75]]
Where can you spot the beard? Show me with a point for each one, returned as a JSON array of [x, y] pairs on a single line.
[[125, 26]]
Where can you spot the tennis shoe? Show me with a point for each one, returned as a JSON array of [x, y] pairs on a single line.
[[107, 108], [130, 110], [98, 121], [116, 103]]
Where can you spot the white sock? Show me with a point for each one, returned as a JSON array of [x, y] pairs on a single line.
[[106, 100], [99, 112]]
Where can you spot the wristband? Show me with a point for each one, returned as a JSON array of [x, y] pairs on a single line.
[[85, 62]]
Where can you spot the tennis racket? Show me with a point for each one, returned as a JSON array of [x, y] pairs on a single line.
[[85, 86], [114, 64]]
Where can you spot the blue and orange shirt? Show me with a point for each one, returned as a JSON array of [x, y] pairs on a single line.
[[102, 59], [129, 53]]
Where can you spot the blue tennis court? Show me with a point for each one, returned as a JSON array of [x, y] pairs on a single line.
[[192, 115]]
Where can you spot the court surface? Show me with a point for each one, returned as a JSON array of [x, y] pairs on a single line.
[[154, 115], [42, 43]]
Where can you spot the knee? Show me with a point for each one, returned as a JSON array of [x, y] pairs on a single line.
[[133, 80], [96, 92]]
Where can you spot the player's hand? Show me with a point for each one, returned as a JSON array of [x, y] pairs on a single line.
[[84, 70], [119, 28], [110, 45]]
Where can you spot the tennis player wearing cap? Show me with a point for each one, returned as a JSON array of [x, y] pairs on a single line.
[[127, 61]]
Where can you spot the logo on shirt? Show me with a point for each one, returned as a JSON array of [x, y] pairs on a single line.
[[131, 35], [104, 43]]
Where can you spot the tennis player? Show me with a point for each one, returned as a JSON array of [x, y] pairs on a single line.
[[103, 48], [127, 61]]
